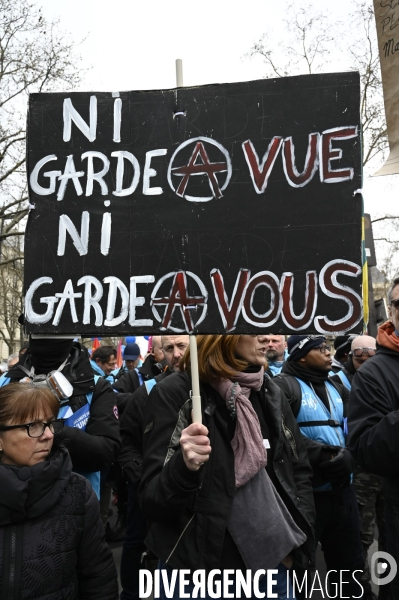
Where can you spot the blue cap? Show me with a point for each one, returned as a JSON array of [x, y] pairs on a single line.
[[131, 352]]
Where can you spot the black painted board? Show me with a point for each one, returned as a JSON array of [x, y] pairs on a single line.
[[244, 215]]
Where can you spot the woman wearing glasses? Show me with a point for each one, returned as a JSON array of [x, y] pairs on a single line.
[[51, 537], [232, 493]]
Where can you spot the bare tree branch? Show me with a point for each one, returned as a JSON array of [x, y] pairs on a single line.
[[385, 218], [11, 260], [35, 56]]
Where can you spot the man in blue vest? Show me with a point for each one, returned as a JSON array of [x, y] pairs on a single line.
[[103, 362], [91, 433], [174, 346], [318, 406], [363, 347], [132, 379], [131, 360], [276, 353]]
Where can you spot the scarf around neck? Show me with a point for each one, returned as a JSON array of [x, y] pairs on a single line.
[[312, 375], [33, 491], [249, 453], [386, 337]]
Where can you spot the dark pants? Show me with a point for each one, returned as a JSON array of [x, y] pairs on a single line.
[[133, 547], [121, 488], [338, 531], [371, 505], [391, 496]]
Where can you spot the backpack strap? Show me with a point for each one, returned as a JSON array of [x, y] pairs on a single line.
[[294, 390], [89, 396], [326, 422]]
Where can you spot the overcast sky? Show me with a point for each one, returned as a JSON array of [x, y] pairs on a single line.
[[133, 45]]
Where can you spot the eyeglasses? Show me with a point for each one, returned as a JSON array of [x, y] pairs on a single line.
[[305, 340], [323, 349], [37, 429], [362, 351], [395, 303]]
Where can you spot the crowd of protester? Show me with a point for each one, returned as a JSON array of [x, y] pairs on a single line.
[[298, 445]]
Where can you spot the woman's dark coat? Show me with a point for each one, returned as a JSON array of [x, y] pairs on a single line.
[[51, 536], [189, 510]]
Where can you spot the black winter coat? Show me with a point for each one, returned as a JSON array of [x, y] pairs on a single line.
[[124, 388], [373, 417], [132, 427], [189, 510], [97, 447], [151, 368], [52, 542]]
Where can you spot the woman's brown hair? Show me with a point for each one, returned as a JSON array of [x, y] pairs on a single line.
[[216, 357], [23, 402]]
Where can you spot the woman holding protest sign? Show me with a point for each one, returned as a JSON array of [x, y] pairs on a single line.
[[232, 492], [51, 536]]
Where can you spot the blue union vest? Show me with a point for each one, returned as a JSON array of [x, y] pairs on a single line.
[[79, 419], [344, 380], [313, 409]]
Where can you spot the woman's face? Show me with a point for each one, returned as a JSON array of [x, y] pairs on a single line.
[[252, 348], [21, 450]]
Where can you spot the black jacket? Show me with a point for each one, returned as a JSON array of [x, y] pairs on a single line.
[[373, 417], [132, 427], [151, 368], [124, 388], [97, 447], [189, 510], [129, 382], [52, 542]]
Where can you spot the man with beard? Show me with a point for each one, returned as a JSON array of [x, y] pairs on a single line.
[[318, 406], [276, 353], [373, 420]]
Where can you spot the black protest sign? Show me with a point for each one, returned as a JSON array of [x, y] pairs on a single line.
[[223, 208]]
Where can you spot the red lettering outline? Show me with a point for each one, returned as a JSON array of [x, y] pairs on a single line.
[[311, 161], [272, 282], [331, 288], [230, 311], [293, 321], [327, 154], [260, 173]]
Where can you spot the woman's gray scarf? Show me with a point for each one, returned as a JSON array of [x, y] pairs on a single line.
[[259, 523]]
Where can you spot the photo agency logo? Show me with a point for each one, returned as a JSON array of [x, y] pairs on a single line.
[[383, 568]]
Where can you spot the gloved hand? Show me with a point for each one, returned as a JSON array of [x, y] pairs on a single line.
[[337, 470]]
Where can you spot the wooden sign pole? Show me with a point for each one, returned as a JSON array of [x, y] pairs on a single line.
[[195, 393]]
